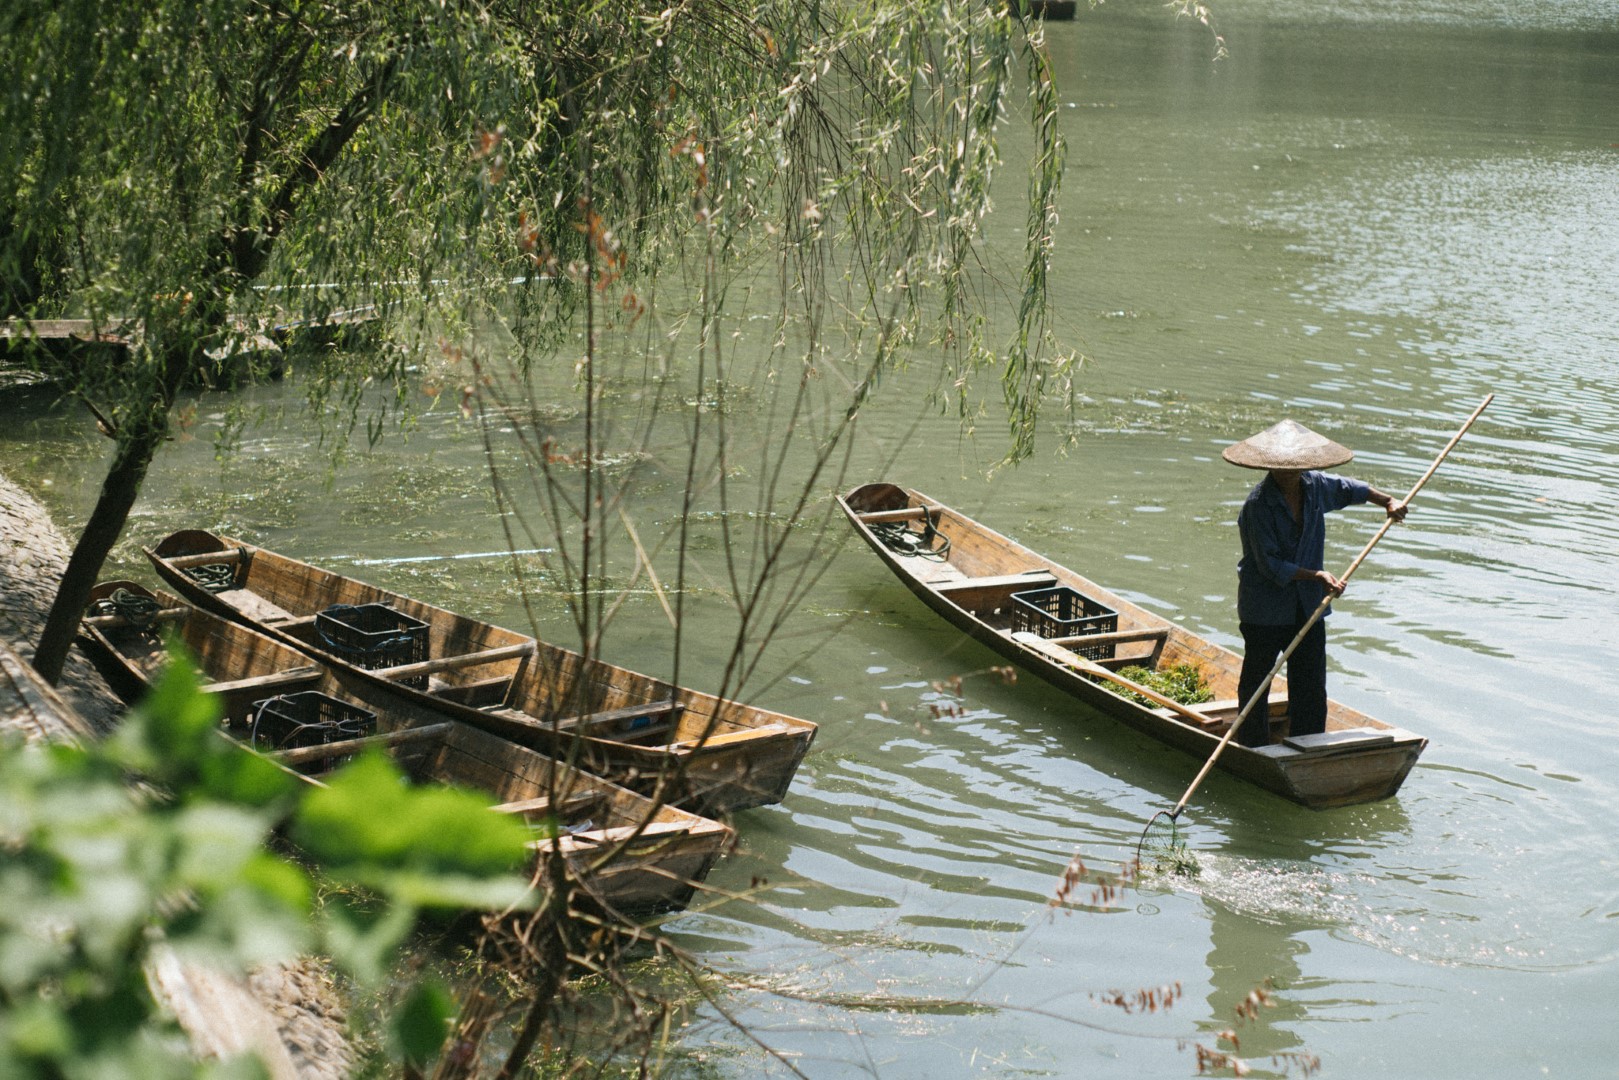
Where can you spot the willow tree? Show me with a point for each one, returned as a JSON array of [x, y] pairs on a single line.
[[196, 168], [184, 170], [745, 221], [851, 152]]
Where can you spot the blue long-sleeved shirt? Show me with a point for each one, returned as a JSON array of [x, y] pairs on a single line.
[[1274, 546]]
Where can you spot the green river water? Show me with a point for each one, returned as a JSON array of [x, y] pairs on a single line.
[[1367, 217]]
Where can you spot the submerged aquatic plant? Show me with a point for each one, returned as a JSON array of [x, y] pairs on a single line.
[[1179, 860], [1163, 847]]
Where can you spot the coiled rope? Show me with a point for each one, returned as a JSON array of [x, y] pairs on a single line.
[[215, 577], [134, 607], [903, 541]]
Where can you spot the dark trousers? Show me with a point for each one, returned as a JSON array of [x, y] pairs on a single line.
[[1306, 679]]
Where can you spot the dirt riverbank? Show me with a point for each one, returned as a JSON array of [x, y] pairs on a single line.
[[33, 556]]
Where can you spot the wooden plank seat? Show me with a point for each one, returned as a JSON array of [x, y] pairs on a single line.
[[1035, 578], [115, 622], [646, 735], [725, 738], [288, 621], [984, 596], [522, 649], [657, 830], [276, 682], [601, 718], [515, 716], [543, 806], [476, 693], [256, 609], [206, 558], [305, 754], [909, 513], [662, 717]]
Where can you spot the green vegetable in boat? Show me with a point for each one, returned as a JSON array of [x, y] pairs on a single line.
[[1183, 682]]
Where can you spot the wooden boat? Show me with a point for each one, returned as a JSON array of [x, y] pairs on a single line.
[[710, 755], [973, 577], [31, 710], [632, 855]]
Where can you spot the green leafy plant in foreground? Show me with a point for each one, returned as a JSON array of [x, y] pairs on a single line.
[[158, 838]]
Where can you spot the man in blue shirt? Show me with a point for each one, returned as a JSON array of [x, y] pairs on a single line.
[[1280, 579]]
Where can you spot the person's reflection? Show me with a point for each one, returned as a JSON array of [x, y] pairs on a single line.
[[1252, 956], [1259, 938]]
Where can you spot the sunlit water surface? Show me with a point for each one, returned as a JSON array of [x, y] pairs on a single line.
[[1366, 222]]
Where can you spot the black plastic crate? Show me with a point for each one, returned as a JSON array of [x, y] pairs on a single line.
[[1062, 612], [374, 636], [310, 718]]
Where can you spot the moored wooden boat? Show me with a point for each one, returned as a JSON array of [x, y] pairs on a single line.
[[969, 574], [713, 755], [631, 854], [31, 710]]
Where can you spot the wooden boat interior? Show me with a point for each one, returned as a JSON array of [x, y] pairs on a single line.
[[464, 660], [426, 747], [524, 782], [628, 852], [139, 643], [473, 664], [983, 573]]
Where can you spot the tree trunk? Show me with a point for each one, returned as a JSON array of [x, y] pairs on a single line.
[[238, 258], [101, 532]]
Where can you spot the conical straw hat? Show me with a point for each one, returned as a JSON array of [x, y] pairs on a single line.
[[1287, 445]]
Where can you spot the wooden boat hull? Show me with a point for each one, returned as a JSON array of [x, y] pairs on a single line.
[[628, 853], [30, 708], [707, 754], [972, 583]]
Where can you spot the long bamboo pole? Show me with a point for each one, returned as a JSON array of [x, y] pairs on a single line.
[[1315, 616]]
